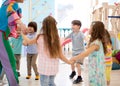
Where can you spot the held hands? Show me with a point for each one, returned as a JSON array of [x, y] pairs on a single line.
[[72, 61], [21, 28], [24, 29]]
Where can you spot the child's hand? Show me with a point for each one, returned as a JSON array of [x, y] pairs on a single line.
[[72, 60], [24, 31], [23, 27]]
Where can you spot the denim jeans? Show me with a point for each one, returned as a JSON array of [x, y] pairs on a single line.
[[47, 80]]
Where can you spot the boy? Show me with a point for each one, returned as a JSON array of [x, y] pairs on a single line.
[[17, 48], [77, 38], [32, 51]]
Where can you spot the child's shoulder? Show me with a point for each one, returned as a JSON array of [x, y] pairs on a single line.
[[39, 36], [96, 42], [80, 33]]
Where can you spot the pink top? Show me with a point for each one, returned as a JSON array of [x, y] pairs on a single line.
[[46, 65]]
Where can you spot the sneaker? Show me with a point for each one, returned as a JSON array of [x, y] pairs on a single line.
[[28, 77], [37, 77], [18, 74], [78, 80], [72, 75]]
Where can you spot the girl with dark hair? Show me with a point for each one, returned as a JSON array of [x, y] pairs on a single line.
[[32, 51]]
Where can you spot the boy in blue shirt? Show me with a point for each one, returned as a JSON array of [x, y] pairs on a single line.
[[32, 51], [17, 48], [77, 38]]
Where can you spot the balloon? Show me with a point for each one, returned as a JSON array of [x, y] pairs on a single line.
[[85, 30], [66, 42]]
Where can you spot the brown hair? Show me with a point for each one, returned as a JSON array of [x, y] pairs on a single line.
[[76, 22], [108, 37], [51, 37], [98, 32], [34, 25]]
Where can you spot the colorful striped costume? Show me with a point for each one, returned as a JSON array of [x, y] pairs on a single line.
[[108, 62], [9, 13]]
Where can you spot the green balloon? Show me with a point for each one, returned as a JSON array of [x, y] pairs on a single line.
[[115, 52]]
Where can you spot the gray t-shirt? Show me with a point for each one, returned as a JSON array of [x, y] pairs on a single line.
[[77, 42]]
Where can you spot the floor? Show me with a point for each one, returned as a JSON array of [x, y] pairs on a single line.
[[62, 78]]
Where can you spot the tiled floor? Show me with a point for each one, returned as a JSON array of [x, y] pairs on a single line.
[[62, 78]]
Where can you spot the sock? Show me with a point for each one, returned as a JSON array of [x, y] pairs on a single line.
[[79, 77], [73, 72]]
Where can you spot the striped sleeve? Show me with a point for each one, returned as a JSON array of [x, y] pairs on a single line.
[[13, 14]]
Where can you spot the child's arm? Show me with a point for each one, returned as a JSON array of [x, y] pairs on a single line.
[[29, 41], [63, 58], [86, 53], [21, 25], [25, 43], [69, 36], [11, 42]]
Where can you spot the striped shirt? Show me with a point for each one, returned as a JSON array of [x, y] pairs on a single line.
[[108, 56], [46, 64]]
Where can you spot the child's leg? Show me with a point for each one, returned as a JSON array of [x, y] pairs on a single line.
[[73, 71], [51, 81], [108, 74], [79, 78], [34, 58], [44, 80], [29, 59], [18, 57], [78, 69], [73, 67]]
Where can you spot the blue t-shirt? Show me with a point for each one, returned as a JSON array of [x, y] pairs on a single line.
[[16, 44], [77, 42], [32, 49]]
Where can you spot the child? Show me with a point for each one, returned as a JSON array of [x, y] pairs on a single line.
[[17, 48], [108, 57], [49, 50], [10, 15], [32, 51], [77, 38], [95, 51]]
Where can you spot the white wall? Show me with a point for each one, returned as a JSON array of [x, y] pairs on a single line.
[[0, 2], [72, 9]]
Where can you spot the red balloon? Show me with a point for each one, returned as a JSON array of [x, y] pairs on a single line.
[[66, 42], [85, 30]]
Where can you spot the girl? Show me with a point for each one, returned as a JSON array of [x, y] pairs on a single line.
[[49, 51], [108, 57], [10, 15], [95, 51]]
